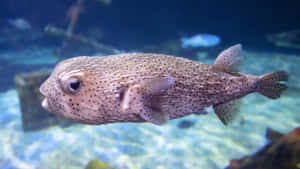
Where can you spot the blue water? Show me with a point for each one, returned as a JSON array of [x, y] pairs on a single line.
[[146, 26]]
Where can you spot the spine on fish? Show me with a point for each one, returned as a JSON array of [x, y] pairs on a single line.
[[270, 84]]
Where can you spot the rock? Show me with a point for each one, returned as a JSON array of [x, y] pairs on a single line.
[[34, 117], [283, 152]]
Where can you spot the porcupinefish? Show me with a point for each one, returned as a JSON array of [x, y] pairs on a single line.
[[140, 87]]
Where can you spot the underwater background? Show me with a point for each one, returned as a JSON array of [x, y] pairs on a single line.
[[35, 35]]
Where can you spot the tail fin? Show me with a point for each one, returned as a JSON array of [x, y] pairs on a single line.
[[270, 86]]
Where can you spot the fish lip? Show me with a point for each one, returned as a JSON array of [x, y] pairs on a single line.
[[42, 90], [45, 104]]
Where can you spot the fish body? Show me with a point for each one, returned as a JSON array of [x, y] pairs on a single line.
[[139, 87], [201, 40]]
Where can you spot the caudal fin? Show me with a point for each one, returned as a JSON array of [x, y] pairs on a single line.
[[270, 84]]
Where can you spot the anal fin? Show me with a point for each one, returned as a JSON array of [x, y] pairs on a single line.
[[227, 112]]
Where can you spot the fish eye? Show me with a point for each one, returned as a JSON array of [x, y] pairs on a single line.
[[73, 85]]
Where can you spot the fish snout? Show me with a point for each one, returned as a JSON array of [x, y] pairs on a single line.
[[43, 90]]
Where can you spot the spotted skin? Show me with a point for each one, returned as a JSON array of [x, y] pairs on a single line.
[[105, 81]]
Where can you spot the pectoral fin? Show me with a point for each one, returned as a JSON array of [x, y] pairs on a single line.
[[157, 85], [227, 111], [137, 99]]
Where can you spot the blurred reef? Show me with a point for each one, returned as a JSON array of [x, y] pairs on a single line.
[[282, 152], [34, 117], [289, 39]]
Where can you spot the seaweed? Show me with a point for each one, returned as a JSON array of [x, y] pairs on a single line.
[[97, 164]]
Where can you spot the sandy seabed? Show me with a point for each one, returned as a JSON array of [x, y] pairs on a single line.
[[206, 145]]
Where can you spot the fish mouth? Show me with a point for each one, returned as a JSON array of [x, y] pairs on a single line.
[[45, 104], [42, 90]]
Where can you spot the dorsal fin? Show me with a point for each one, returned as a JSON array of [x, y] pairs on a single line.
[[230, 60]]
